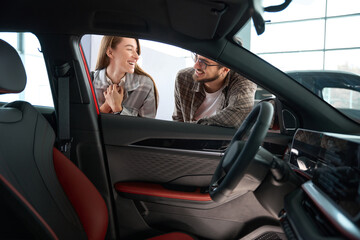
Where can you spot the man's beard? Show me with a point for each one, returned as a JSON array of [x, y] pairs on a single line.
[[205, 80]]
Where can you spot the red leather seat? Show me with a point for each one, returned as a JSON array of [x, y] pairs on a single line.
[[46, 189]]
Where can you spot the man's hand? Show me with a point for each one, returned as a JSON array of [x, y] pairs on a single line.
[[114, 96]]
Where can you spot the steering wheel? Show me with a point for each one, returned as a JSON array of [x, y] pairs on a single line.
[[239, 154]]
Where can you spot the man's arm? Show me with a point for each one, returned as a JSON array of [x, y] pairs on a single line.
[[240, 103], [177, 114]]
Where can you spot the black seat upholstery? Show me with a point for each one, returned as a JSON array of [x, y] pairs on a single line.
[[26, 155], [52, 196]]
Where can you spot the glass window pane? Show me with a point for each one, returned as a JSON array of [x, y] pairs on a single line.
[[296, 61], [344, 60], [298, 9], [337, 7], [32, 45], [10, 38], [295, 36], [341, 34], [342, 98], [37, 90]]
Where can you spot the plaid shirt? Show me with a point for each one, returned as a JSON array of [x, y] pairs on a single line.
[[236, 100], [139, 96]]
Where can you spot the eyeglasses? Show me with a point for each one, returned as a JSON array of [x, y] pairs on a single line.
[[203, 65]]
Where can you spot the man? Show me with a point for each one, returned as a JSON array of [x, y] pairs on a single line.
[[212, 94]]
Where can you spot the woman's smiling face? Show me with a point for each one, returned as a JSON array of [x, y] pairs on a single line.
[[125, 55]]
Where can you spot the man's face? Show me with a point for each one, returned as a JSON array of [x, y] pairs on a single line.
[[206, 70]]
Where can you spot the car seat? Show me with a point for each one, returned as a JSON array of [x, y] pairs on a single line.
[[53, 198]]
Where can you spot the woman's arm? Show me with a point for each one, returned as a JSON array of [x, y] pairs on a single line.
[[148, 109], [141, 101], [105, 108], [113, 98]]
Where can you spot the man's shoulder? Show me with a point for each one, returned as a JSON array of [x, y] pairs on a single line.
[[186, 73], [238, 79], [184, 78], [234, 76]]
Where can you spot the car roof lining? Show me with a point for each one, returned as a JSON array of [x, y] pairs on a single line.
[[198, 19], [205, 19]]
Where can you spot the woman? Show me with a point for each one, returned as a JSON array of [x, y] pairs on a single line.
[[121, 86]]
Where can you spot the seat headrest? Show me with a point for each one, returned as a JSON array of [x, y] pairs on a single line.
[[12, 71]]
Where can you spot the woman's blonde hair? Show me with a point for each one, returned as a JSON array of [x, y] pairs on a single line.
[[103, 60]]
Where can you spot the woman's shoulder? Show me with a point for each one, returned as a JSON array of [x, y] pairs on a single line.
[[140, 79], [98, 79], [97, 74]]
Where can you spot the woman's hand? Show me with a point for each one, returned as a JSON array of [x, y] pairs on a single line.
[[105, 108], [114, 96]]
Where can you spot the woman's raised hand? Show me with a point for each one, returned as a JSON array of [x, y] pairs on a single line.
[[114, 96]]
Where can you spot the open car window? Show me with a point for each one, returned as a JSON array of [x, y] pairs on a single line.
[[162, 62]]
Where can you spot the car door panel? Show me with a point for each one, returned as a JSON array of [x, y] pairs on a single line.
[[162, 153], [146, 128], [161, 165], [164, 159]]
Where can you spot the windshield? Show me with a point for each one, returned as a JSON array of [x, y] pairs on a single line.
[[317, 43]]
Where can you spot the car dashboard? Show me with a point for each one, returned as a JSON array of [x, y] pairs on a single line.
[[328, 203]]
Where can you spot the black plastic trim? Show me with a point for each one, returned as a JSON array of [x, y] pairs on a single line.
[[331, 211]]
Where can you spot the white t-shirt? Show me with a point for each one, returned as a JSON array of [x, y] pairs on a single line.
[[209, 106]]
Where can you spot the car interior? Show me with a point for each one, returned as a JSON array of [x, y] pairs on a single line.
[[67, 171]]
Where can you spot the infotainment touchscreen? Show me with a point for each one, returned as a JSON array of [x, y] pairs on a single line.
[[333, 163], [312, 149]]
